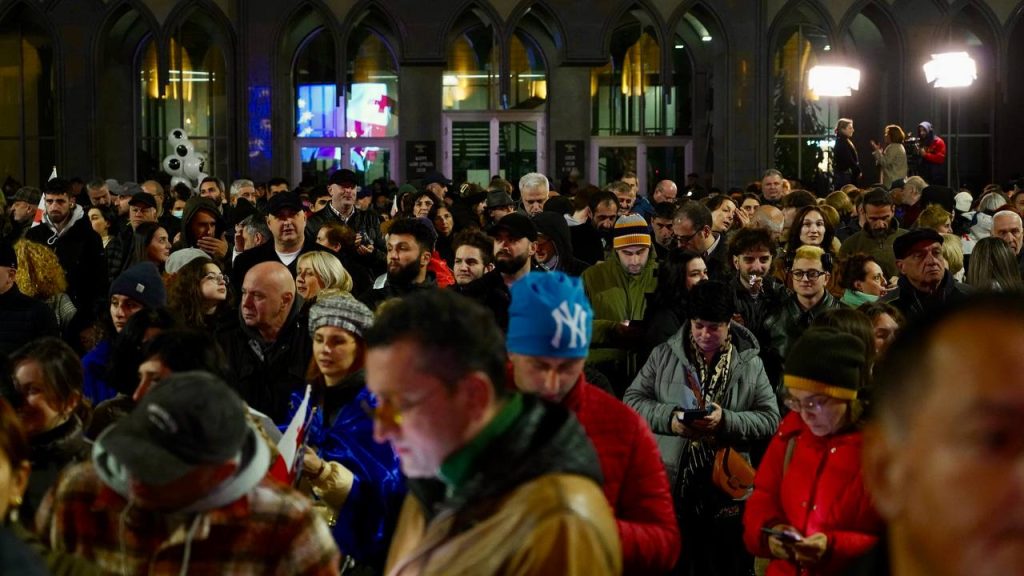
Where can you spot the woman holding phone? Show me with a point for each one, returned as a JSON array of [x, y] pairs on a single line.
[[810, 512]]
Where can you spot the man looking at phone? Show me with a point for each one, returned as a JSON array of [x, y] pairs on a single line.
[[548, 339], [947, 475]]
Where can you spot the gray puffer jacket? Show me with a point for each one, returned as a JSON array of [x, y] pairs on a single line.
[[749, 410]]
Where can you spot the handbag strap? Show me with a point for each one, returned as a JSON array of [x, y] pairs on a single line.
[[694, 386]]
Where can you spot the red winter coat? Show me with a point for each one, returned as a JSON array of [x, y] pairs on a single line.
[[821, 490], [635, 482]]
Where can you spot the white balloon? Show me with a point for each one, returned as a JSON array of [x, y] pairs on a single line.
[[175, 180], [174, 165], [176, 136], [193, 167]]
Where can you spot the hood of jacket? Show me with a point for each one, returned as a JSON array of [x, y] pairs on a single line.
[[929, 132], [554, 226], [76, 214], [192, 207], [253, 463], [545, 439]]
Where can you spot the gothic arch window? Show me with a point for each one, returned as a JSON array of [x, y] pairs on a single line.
[[193, 95], [28, 104]]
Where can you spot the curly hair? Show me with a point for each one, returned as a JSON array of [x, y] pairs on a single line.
[[185, 294], [851, 269], [39, 273]]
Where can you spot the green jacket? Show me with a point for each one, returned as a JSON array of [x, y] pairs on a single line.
[[880, 248], [616, 296]]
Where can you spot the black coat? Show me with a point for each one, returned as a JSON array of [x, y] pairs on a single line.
[[489, 290], [266, 380], [365, 222], [51, 452], [80, 252], [23, 319], [361, 279], [912, 303]]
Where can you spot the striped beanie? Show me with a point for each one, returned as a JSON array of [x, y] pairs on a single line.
[[631, 230]]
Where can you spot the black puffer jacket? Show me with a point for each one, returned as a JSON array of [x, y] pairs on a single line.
[[51, 452], [913, 303], [489, 290], [23, 319]]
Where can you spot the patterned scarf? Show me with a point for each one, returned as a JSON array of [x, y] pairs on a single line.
[[699, 454]]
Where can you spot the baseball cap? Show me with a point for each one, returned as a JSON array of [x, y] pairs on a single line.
[[516, 224], [343, 177], [190, 419], [282, 201], [550, 315], [436, 178], [144, 199], [904, 245]]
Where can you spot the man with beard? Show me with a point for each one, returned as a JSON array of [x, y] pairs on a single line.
[[410, 243], [924, 280], [879, 233], [67, 231], [617, 289], [515, 243], [287, 223], [475, 276]]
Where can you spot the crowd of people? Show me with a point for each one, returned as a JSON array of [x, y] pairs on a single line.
[[512, 379]]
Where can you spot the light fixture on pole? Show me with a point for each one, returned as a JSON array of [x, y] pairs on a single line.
[[833, 80], [951, 70]]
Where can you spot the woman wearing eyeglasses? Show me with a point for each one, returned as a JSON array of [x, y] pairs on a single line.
[[199, 294], [808, 275], [355, 480], [810, 512]]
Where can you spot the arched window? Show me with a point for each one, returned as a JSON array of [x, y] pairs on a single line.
[[28, 87], [194, 98], [802, 121], [470, 78], [627, 93]]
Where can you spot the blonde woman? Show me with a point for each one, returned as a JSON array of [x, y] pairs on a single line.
[[40, 276], [316, 271]]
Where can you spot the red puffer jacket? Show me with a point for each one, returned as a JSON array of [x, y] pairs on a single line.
[[635, 482], [820, 490]]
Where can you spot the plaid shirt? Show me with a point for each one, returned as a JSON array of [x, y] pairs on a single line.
[[272, 530]]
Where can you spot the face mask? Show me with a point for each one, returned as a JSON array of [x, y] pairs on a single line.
[[177, 213]]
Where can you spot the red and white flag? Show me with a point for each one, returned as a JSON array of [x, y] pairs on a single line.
[[41, 208], [292, 444]]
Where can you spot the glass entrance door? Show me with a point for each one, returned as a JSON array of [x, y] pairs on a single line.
[[313, 159], [478, 146], [651, 159]]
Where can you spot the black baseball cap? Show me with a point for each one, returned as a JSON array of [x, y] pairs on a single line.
[[189, 419], [904, 245], [143, 198], [343, 177], [517, 225], [436, 178], [284, 200]]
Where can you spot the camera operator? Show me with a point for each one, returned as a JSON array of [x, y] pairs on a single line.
[[933, 155]]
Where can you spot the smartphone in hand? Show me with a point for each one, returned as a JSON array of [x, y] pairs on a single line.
[[689, 416], [787, 537]]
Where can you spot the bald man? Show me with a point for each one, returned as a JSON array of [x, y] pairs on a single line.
[[269, 349], [664, 191], [770, 218]]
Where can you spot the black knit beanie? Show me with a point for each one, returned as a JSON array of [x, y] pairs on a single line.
[[826, 361]]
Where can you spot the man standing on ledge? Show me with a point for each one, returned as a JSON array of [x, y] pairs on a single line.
[[499, 483]]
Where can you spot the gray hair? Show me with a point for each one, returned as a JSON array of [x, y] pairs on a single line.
[[915, 182], [534, 180], [254, 224], [772, 172], [237, 185]]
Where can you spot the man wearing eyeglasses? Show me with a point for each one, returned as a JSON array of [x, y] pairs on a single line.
[[924, 279], [809, 273], [498, 482], [692, 230]]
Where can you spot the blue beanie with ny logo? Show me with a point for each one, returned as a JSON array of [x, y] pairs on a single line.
[[550, 315]]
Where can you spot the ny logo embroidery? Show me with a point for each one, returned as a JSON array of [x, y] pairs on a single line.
[[575, 322]]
